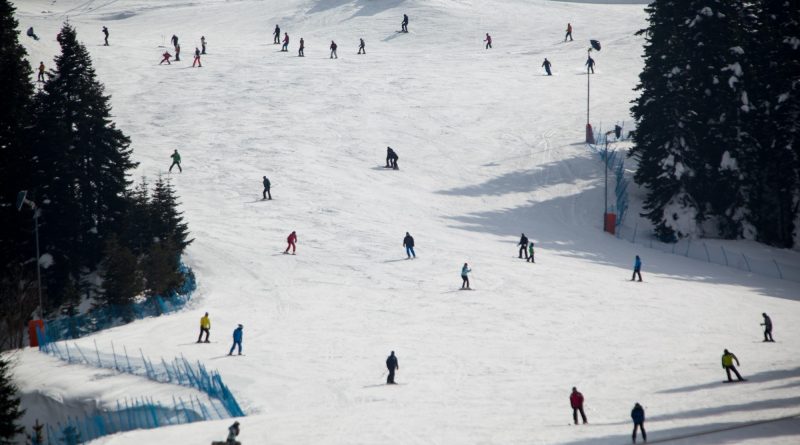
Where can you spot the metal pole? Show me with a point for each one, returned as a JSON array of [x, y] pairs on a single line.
[[587, 94], [38, 264], [605, 212]]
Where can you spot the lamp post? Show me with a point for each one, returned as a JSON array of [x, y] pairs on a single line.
[[22, 200]]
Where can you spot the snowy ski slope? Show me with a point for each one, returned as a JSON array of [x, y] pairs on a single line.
[[489, 147]]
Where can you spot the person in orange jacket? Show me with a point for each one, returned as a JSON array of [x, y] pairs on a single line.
[[292, 240]]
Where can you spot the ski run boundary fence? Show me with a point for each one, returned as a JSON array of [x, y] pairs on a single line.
[[142, 413], [105, 317], [697, 249]]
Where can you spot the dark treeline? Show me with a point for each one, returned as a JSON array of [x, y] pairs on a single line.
[[100, 237], [717, 135]]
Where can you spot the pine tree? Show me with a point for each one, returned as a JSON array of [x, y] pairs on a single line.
[[81, 168], [168, 224], [161, 268], [774, 196], [10, 412], [16, 91], [122, 280]]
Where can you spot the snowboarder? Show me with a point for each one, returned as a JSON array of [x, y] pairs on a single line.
[[530, 253], [405, 23], [333, 50], [408, 243], [205, 326], [391, 158], [176, 160], [203, 45], [727, 364], [302, 47], [276, 35], [546, 64], [32, 34], [523, 246], [197, 58], [391, 363], [177, 53], [361, 49], [266, 192], [166, 56], [767, 328], [174, 41], [488, 41], [464, 276], [637, 268], [589, 64], [105, 33], [569, 32], [637, 414], [285, 46], [237, 340], [576, 402], [41, 72], [291, 240]]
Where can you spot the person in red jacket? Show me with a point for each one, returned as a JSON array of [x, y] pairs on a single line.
[[292, 239], [166, 55], [285, 46], [576, 401]]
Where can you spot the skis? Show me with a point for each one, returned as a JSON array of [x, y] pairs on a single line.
[[734, 381]]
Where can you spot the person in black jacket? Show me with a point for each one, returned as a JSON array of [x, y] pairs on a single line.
[[105, 33], [408, 242], [277, 35], [391, 158], [637, 414], [361, 49], [405, 23], [523, 246], [266, 192], [391, 363], [546, 64], [767, 328]]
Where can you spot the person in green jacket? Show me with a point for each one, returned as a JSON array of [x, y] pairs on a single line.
[[530, 253], [176, 160], [727, 364]]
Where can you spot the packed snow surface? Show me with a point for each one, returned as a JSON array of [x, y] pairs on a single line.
[[489, 148]]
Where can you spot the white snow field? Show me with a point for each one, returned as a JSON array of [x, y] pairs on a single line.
[[489, 148]]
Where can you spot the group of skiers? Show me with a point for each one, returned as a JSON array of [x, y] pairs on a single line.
[[177, 47]]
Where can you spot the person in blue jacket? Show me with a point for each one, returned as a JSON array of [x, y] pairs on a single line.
[[637, 268], [408, 242], [637, 414], [237, 340], [465, 276]]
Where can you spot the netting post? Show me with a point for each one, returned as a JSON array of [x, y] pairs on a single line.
[[780, 274], [724, 254], [747, 263], [708, 256]]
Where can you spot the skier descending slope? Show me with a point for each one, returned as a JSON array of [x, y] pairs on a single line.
[[197, 58], [767, 328], [465, 276], [637, 414], [276, 35], [205, 327], [291, 240], [546, 64], [285, 47], [727, 364], [576, 402], [391, 158], [408, 243], [404, 25], [391, 363], [266, 192], [333, 50], [637, 268], [166, 57], [237, 340], [589, 64], [176, 161], [302, 47], [203, 44], [361, 49], [488, 41], [105, 33], [569, 32]]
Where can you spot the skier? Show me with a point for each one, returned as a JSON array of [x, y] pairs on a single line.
[[523, 245], [464, 276], [166, 56], [266, 192], [203, 44], [277, 35], [637, 268], [32, 34], [361, 49], [233, 433], [589, 64], [41, 72], [637, 414], [291, 240], [176, 160], [767, 328], [302, 47], [333, 50], [530, 253], [391, 363], [488, 41], [197, 58], [237, 340], [569, 32], [576, 402], [546, 64], [391, 158], [405, 23], [177, 53], [105, 32], [174, 40], [285, 46], [727, 364], [205, 326], [408, 243]]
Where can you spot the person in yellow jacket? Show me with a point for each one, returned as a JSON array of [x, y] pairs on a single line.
[[205, 326], [727, 364]]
